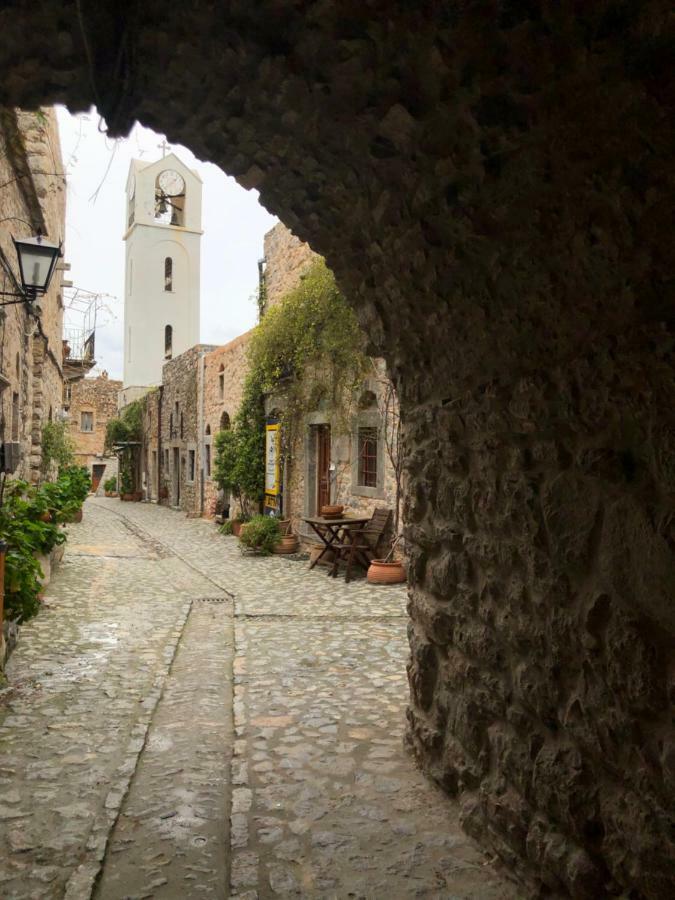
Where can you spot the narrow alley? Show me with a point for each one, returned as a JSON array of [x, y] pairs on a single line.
[[182, 721]]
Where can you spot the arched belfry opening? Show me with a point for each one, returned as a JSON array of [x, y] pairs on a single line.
[[492, 193]]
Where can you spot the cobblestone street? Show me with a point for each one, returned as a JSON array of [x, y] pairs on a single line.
[[183, 721]]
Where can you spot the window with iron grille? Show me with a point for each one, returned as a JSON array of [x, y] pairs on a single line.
[[367, 476]]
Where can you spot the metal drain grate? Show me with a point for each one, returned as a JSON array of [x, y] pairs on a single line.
[[211, 599]]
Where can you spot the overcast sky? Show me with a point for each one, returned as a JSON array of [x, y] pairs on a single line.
[[233, 220]]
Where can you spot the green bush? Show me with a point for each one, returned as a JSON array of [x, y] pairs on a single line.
[[29, 519], [261, 534], [226, 527], [110, 484]]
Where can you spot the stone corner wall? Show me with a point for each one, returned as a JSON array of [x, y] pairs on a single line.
[[230, 361], [286, 257]]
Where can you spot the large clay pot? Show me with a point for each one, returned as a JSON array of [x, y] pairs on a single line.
[[236, 527], [381, 572], [77, 516], [287, 544]]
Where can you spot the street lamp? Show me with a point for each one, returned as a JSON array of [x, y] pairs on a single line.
[[37, 261]]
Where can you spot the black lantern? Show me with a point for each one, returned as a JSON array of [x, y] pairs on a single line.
[[37, 261]]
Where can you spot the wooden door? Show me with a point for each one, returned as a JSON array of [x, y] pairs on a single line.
[[96, 475], [322, 467], [176, 476]]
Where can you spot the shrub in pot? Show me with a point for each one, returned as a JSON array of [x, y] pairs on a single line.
[[110, 486], [261, 535]]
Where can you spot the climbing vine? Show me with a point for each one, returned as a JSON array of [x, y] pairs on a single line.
[[306, 350], [309, 350], [123, 435]]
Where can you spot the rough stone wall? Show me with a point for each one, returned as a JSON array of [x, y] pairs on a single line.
[[150, 459], [286, 257], [32, 198], [232, 358], [181, 400], [492, 185], [97, 396]]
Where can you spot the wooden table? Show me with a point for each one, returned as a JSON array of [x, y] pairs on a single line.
[[331, 531]]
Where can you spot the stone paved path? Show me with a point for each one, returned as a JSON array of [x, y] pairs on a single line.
[[182, 721]]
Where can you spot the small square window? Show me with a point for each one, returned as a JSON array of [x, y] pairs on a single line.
[[86, 421]]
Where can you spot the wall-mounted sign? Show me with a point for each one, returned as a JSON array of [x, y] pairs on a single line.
[[272, 454]]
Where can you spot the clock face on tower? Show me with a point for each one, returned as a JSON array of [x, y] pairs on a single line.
[[171, 183]]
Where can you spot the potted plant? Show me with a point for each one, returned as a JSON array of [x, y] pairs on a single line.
[[110, 486], [126, 485], [391, 570], [261, 535]]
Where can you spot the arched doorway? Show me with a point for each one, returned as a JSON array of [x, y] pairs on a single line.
[[481, 210]]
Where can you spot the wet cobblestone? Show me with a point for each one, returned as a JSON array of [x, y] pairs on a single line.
[[313, 796]]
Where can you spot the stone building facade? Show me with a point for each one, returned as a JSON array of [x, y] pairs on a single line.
[[93, 401], [180, 428], [32, 200], [224, 373]]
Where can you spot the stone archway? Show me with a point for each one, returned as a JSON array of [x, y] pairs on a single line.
[[490, 184]]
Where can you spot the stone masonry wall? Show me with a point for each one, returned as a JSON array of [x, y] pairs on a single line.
[[180, 412], [230, 362], [32, 198], [492, 185], [286, 258]]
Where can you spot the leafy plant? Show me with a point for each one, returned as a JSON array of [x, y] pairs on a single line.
[[261, 534], [238, 466], [110, 484], [57, 447], [126, 428], [126, 481], [29, 518], [76, 482], [226, 527]]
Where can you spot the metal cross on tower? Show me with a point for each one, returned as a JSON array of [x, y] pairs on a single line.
[[164, 147]]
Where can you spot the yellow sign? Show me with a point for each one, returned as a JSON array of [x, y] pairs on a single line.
[[272, 441]]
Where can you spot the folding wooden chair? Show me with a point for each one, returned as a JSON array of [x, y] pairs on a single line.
[[360, 544]]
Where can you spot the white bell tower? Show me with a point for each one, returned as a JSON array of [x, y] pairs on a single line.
[[161, 292]]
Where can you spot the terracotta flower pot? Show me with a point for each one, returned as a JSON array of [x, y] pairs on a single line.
[[236, 528], [126, 497], [287, 544], [77, 516], [381, 572], [332, 511]]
